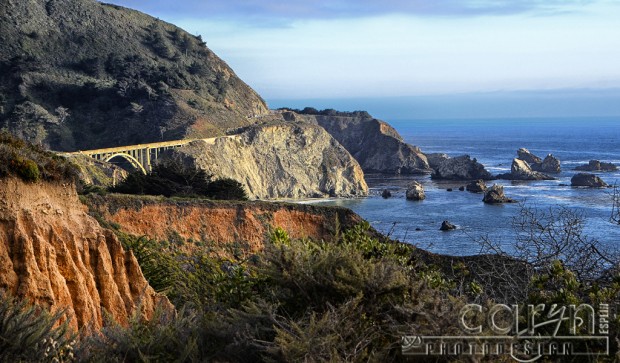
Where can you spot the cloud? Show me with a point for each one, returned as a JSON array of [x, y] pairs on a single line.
[[282, 11]]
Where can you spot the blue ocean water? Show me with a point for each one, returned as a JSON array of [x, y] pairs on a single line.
[[494, 143]]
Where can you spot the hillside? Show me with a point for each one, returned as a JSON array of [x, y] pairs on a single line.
[[78, 74]]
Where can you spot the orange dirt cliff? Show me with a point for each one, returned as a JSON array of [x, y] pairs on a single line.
[[55, 255]]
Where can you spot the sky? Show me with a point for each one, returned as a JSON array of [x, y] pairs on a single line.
[[352, 51]]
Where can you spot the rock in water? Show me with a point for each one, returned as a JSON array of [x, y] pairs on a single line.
[[525, 155], [595, 165], [386, 194], [520, 170], [415, 191], [279, 161], [476, 186], [447, 226], [461, 168], [551, 164], [587, 180], [434, 159], [495, 195]]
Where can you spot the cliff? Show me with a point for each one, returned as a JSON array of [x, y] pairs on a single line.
[[279, 161], [220, 224], [375, 144], [79, 75], [54, 254]]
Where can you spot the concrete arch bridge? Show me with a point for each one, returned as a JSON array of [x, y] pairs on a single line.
[[140, 156]]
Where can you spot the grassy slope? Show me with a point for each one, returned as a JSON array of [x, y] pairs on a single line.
[[123, 76]]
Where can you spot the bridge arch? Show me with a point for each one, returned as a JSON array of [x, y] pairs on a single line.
[[133, 161]]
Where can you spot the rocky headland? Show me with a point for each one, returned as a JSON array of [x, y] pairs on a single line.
[[376, 145], [279, 161]]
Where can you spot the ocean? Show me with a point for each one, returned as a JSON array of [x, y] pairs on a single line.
[[494, 143]]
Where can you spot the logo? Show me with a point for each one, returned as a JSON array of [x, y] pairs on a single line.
[[526, 333]]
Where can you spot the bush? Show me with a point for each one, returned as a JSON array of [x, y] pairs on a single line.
[[29, 333], [177, 180]]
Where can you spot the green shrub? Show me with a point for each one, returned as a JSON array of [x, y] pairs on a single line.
[[26, 169], [29, 333]]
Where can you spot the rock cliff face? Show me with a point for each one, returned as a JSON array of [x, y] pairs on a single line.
[[221, 224], [280, 161], [54, 254], [376, 145]]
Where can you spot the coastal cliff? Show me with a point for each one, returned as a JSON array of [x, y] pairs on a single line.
[[57, 256], [375, 144], [279, 161], [220, 224]]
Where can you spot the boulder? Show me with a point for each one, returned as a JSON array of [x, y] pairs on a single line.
[[525, 155], [595, 165], [551, 164], [495, 195], [447, 226], [520, 170], [415, 191], [434, 159], [476, 186], [386, 194], [587, 180], [461, 168]]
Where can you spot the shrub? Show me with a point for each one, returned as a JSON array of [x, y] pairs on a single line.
[[29, 333]]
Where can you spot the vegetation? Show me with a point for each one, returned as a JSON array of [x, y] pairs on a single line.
[[73, 85], [31, 163], [175, 179], [328, 112], [31, 334]]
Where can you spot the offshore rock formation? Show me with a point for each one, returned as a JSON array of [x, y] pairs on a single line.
[[587, 180], [551, 164], [376, 145], [595, 165], [495, 195], [280, 161], [520, 170], [476, 186], [434, 159], [415, 191], [219, 223], [54, 254], [525, 155], [461, 168]]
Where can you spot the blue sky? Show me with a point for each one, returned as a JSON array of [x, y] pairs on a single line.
[[363, 49]]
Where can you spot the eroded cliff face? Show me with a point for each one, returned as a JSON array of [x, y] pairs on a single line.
[[54, 254], [220, 224], [375, 144], [280, 161]]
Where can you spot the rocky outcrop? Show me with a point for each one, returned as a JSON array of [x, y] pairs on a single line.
[[495, 195], [55, 255], [434, 159], [97, 172], [219, 224], [551, 164], [415, 191], [385, 194], [476, 186], [461, 168], [520, 170], [279, 161], [525, 155], [587, 180], [447, 226], [595, 165], [376, 145]]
